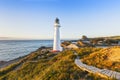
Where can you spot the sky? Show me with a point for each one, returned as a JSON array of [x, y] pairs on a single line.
[[34, 19]]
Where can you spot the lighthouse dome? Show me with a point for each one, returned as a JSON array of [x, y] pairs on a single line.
[[57, 21]]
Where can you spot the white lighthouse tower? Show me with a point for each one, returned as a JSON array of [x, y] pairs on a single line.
[[57, 43]]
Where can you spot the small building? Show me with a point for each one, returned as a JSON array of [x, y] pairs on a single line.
[[72, 46]]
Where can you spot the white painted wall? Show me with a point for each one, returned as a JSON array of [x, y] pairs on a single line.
[[57, 43]]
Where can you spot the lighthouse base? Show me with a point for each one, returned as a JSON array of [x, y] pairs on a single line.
[[55, 51]]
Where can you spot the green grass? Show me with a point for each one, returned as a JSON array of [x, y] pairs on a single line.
[[48, 67]]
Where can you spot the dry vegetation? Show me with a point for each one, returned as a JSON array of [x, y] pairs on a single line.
[[108, 58], [47, 66]]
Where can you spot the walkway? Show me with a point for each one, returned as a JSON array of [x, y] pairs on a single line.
[[109, 73]]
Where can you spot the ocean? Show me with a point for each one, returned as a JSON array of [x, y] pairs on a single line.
[[11, 49]]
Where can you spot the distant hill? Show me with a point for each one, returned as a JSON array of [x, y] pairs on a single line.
[[6, 38], [115, 37], [14, 38], [109, 37]]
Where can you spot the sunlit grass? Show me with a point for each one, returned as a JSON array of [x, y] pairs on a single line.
[[50, 66]]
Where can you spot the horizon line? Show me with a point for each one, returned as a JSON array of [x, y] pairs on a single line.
[[21, 38]]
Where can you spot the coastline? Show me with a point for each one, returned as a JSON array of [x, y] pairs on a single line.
[[4, 64], [7, 63]]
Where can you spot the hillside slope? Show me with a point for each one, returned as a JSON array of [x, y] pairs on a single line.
[[46, 66], [108, 58]]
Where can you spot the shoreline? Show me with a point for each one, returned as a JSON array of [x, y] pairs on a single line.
[[4, 64]]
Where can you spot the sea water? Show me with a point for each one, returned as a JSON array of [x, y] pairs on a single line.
[[11, 49]]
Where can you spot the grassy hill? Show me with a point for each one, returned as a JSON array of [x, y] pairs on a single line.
[[108, 58], [115, 37], [109, 37], [47, 66]]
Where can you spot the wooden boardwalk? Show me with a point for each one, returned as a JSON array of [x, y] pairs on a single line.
[[109, 73]]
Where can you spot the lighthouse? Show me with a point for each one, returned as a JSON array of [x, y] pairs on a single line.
[[56, 43]]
